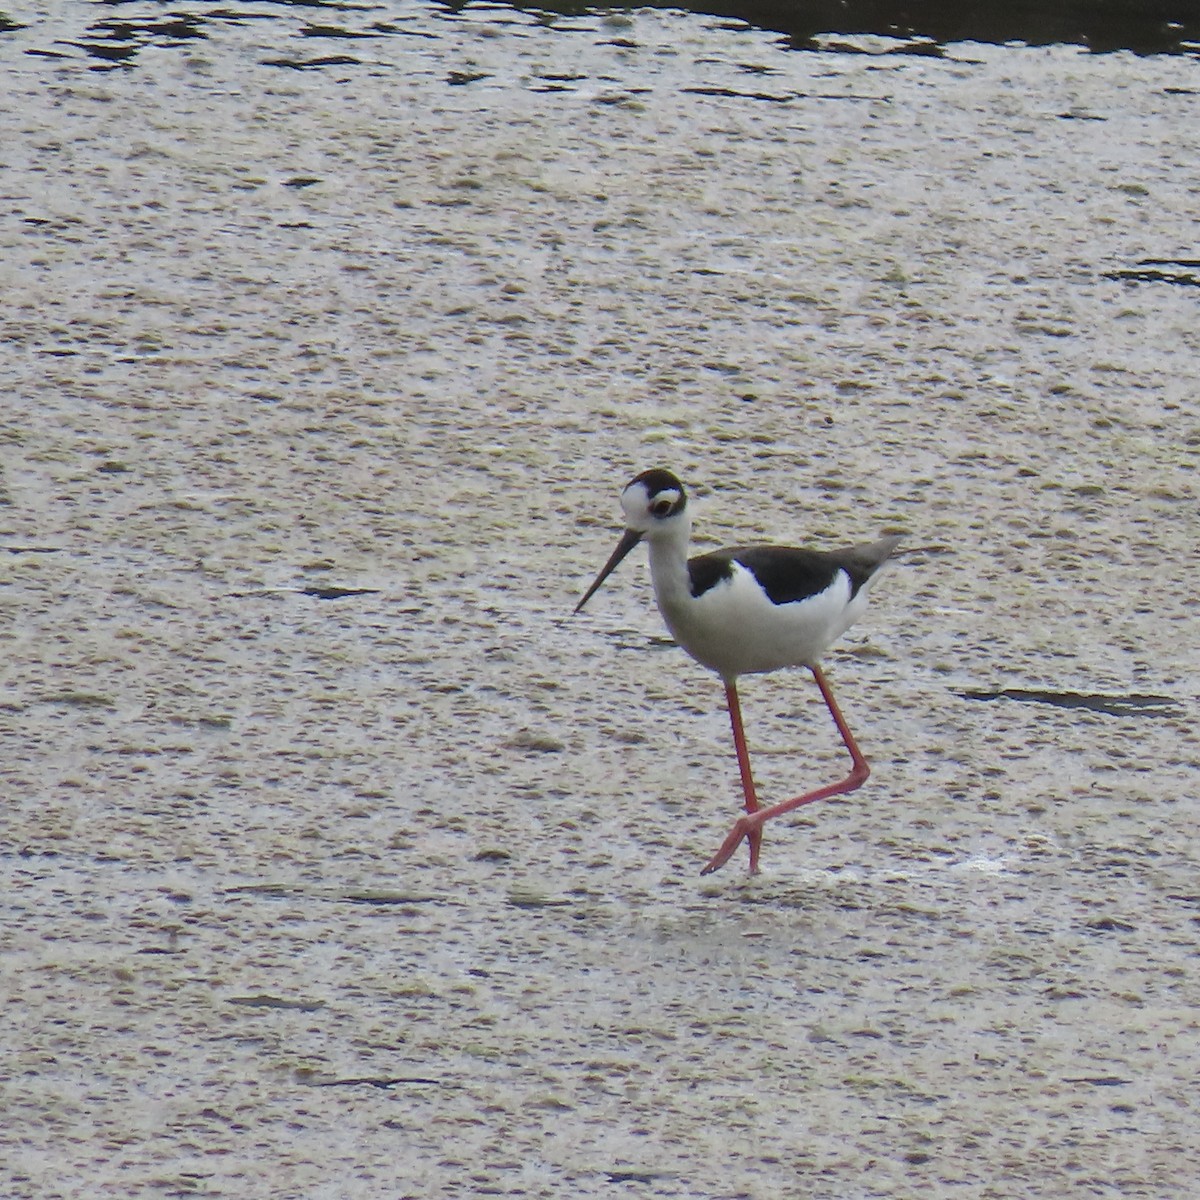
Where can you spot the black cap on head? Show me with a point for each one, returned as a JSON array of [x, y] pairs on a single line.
[[658, 479]]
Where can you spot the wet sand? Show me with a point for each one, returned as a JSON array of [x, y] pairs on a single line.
[[396, 894]]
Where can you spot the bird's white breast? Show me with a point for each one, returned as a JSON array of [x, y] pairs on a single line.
[[734, 628]]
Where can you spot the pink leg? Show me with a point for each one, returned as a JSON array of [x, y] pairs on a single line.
[[751, 824], [754, 837]]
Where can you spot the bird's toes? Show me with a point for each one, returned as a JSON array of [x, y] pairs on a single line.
[[743, 828]]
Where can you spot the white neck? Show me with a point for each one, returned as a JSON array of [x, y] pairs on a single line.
[[668, 564]]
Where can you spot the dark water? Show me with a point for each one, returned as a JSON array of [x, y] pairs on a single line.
[[113, 32], [1152, 27]]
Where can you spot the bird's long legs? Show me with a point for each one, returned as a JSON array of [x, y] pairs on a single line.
[[750, 826], [754, 836]]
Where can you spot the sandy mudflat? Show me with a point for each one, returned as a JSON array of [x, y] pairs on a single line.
[[396, 894]]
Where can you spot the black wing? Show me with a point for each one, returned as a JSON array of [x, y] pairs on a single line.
[[789, 573]]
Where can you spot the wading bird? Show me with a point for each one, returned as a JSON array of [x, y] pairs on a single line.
[[746, 610]]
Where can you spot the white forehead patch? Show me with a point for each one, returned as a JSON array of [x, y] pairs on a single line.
[[636, 499]]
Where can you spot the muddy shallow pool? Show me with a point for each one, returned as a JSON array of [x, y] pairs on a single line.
[[339, 862]]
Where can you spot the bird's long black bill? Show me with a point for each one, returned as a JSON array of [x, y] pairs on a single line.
[[629, 539]]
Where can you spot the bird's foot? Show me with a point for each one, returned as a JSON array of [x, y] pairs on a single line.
[[744, 828]]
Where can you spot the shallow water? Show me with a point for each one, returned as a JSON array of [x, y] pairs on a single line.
[[396, 893]]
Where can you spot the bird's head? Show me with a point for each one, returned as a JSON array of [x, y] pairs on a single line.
[[655, 506]]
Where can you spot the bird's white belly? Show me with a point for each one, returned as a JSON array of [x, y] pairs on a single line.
[[735, 629]]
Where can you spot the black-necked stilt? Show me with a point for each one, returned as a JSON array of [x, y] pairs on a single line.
[[745, 610]]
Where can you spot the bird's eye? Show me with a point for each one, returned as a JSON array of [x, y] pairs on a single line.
[[661, 508]]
